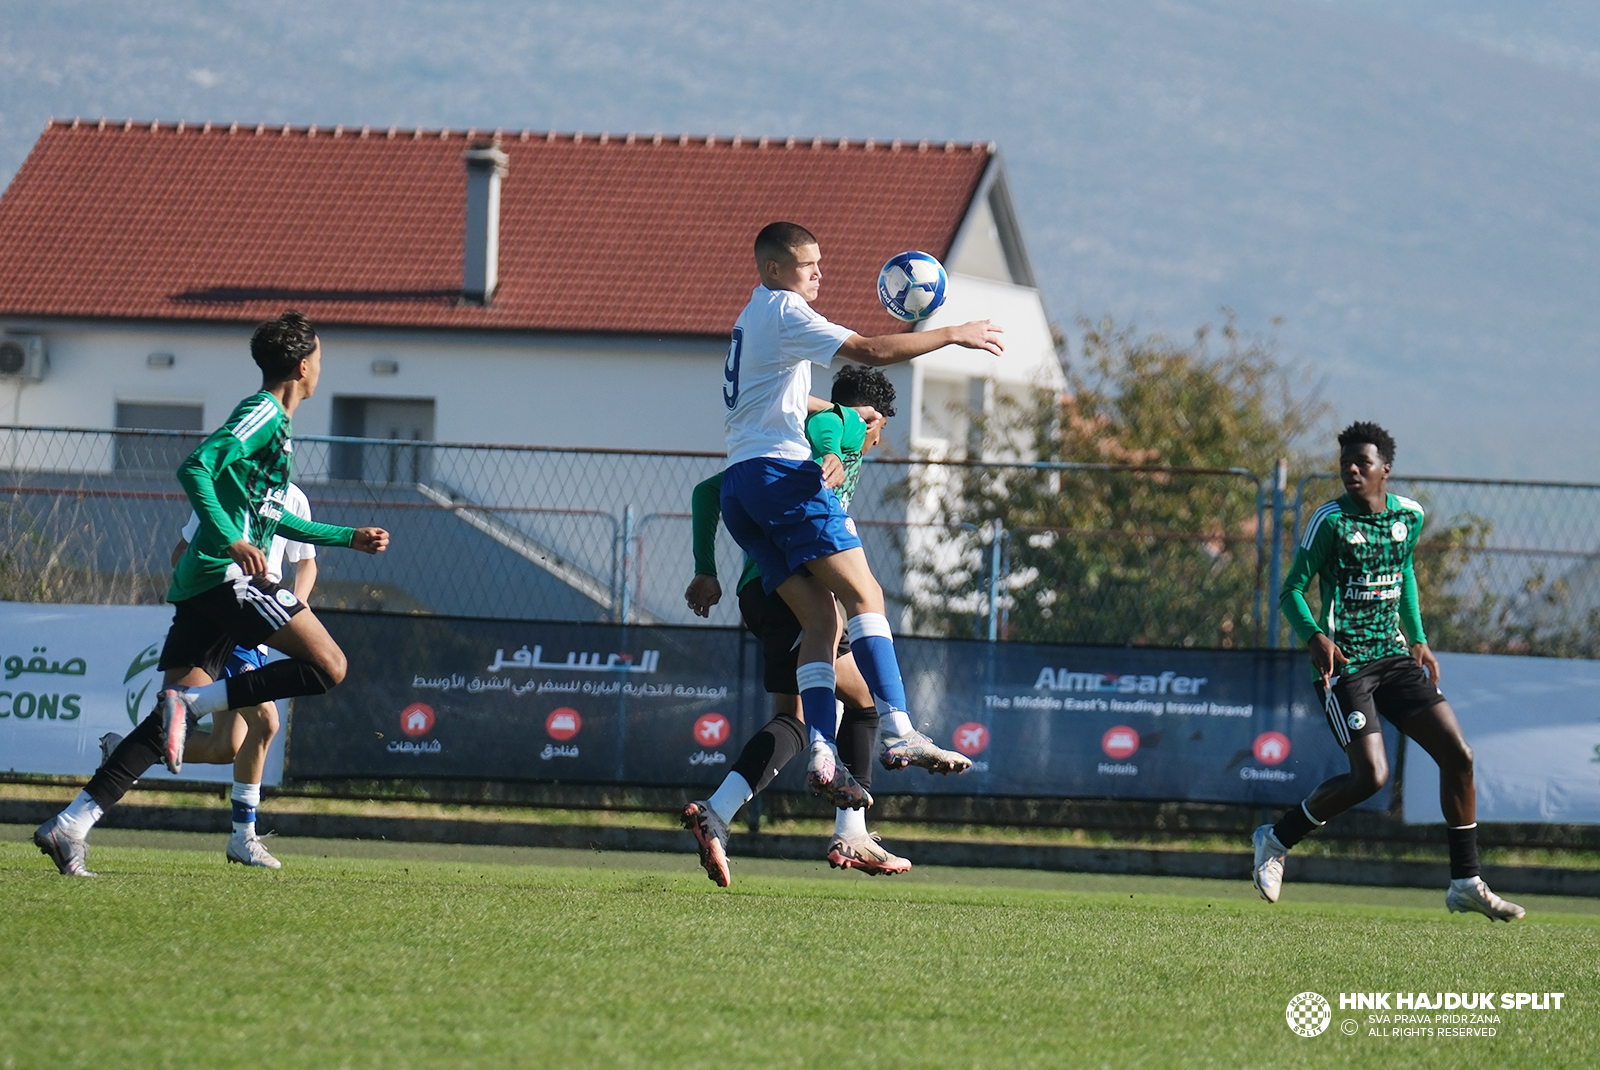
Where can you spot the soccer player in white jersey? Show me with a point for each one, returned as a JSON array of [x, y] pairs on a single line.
[[776, 507]]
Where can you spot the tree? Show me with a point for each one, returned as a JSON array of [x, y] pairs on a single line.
[[1143, 535]]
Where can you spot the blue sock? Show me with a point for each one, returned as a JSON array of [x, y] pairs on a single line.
[[817, 681], [245, 799], [873, 647]]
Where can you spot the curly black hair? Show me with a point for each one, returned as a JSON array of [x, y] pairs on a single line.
[[278, 346], [856, 385], [1366, 432]]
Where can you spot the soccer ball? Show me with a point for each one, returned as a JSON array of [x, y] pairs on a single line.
[[911, 286]]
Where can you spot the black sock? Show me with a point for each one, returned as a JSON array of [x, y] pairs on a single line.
[[768, 751], [138, 751], [858, 737], [275, 680], [1293, 825], [1463, 851]]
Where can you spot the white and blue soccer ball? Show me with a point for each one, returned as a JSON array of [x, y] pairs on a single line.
[[912, 286]]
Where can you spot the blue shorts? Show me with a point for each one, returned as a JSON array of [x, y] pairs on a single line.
[[782, 516], [244, 659]]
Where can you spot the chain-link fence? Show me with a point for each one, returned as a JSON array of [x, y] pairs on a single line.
[[1065, 553], [1504, 566]]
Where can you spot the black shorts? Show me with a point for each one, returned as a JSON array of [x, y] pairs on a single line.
[[207, 627], [770, 620], [1395, 687]]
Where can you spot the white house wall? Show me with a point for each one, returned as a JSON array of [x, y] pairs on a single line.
[[565, 392]]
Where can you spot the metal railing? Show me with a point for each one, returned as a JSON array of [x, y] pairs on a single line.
[[1123, 554], [1504, 566]]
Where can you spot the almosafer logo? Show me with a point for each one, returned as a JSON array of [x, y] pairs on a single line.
[[711, 729], [1308, 1014], [416, 719], [1271, 748], [970, 738], [1119, 742]]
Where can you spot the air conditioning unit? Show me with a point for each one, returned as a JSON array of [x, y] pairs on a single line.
[[22, 357]]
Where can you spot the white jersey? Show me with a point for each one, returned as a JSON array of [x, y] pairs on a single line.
[[294, 500], [766, 378]]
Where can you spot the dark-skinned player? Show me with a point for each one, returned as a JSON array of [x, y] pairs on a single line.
[[1370, 658]]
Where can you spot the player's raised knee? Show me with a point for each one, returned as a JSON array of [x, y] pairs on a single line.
[[334, 666], [1371, 777]]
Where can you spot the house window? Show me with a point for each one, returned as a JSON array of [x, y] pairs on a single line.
[[396, 421], [157, 454]]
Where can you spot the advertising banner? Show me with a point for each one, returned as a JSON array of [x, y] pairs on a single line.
[[499, 700], [70, 674], [1534, 728], [507, 700]]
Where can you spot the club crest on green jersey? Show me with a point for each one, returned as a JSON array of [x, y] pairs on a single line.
[[1399, 531]]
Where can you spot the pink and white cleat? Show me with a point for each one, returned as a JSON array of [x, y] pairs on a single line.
[[830, 779]]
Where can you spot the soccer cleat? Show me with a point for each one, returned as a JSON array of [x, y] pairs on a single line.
[[174, 709], [830, 779], [248, 850], [71, 856], [711, 833], [917, 749], [865, 853], [108, 743], [1471, 895], [1268, 873]]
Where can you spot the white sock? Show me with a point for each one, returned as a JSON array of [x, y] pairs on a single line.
[[732, 794], [80, 815], [849, 822], [896, 723], [211, 698]]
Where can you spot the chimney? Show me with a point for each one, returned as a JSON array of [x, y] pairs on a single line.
[[480, 264]]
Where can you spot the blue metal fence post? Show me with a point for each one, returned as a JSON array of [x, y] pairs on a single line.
[[1280, 480]]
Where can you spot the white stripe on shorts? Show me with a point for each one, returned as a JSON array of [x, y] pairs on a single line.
[[1341, 731]]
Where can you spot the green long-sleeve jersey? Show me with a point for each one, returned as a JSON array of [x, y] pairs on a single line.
[[1362, 562], [235, 481], [836, 430], [841, 432]]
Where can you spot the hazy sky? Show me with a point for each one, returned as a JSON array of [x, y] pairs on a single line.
[[1409, 184]]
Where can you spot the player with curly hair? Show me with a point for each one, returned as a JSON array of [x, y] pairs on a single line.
[[1370, 658]]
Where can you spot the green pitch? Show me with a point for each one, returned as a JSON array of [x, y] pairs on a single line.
[[395, 955]]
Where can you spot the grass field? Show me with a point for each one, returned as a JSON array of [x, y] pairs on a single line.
[[399, 955]]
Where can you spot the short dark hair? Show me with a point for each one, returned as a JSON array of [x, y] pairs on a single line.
[[1364, 432], [278, 346], [855, 385], [779, 240]]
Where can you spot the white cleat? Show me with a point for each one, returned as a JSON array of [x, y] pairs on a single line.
[[108, 743], [1268, 873], [1471, 895], [248, 850]]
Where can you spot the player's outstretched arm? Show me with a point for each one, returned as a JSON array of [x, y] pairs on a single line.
[[895, 348]]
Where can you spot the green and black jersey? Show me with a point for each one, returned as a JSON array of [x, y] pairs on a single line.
[[841, 432], [236, 480], [835, 430], [1369, 591]]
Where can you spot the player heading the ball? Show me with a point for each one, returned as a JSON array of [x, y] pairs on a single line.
[[777, 508]]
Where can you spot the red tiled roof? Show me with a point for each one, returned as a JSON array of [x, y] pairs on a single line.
[[597, 233]]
